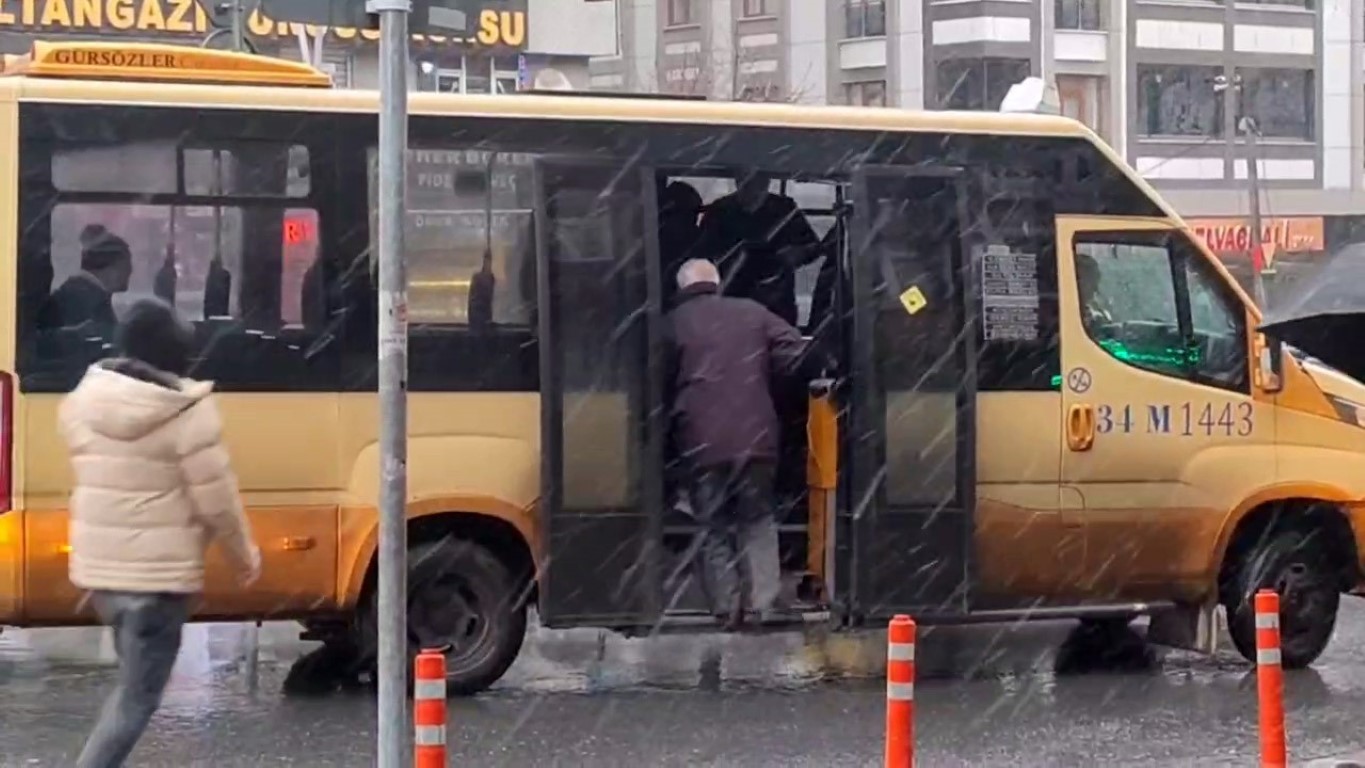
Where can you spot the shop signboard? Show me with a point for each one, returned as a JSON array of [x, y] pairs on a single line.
[[1231, 238], [501, 24]]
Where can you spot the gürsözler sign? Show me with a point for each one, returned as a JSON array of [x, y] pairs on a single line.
[[502, 28]]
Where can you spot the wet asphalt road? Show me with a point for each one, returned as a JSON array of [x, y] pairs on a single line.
[[994, 697]]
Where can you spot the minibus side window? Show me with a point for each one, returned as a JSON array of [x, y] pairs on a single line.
[[1218, 326], [1153, 302], [469, 242], [1128, 303], [221, 217]]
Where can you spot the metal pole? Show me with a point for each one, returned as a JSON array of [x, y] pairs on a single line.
[[393, 382], [305, 55], [238, 25], [1248, 127]]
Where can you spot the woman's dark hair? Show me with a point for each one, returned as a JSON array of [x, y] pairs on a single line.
[[151, 332]]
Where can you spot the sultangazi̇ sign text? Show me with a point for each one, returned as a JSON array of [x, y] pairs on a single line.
[[187, 17]]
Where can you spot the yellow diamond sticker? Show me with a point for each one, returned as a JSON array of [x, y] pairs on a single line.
[[913, 300]]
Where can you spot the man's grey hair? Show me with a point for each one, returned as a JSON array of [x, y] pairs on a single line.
[[695, 271]]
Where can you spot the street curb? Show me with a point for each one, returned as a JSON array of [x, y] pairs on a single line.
[[1350, 760]]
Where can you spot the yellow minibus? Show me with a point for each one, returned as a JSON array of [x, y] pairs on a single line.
[[1049, 400]]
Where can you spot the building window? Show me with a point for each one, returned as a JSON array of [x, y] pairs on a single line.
[[760, 92], [756, 8], [1078, 14], [977, 83], [1179, 101], [681, 12], [450, 80], [869, 93], [1080, 99], [864, 18], [476, 75], [505, 74], [1281, 100], [1307, 5]]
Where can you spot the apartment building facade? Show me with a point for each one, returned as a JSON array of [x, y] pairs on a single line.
[[1163, 81]]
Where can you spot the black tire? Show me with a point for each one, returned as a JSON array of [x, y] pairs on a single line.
[[1295, 564], [333, 666], [461, 598], [1111, 626], [1104, 645]]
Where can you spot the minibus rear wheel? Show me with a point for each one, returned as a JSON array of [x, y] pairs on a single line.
[[461, 598], [1295, 564]]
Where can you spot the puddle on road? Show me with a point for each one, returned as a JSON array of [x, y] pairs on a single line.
[[574, 661], [243, 660]]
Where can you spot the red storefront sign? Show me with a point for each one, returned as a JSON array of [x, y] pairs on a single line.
[[1232, 236]]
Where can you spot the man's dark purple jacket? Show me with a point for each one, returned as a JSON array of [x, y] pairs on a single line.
[[723, 354]]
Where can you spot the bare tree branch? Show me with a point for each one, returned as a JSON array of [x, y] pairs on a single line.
[[726, 74]]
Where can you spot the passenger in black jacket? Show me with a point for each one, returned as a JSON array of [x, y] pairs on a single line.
[[86, 298], [759, 239], [724, 354]]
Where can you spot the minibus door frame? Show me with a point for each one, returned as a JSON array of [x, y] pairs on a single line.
[[599, 559], [874, 537]]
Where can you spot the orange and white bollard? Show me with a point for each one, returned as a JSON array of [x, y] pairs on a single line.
[[1270, 680], [900, 693], [429, 710]]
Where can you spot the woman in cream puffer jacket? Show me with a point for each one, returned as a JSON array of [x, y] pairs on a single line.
[[153, 488], [153, 481]]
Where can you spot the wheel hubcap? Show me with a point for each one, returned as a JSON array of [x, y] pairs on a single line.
[[1300, 599], [445, 613]]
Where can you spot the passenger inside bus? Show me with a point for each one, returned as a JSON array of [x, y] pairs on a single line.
[[759, 238], [822, 297], [217, 289], [723, 355], [768, 251], [163, 285], [87, 297], [679, 208], [482, 285]]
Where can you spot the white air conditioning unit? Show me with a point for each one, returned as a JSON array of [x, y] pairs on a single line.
[[1032, 94], [551, 79]]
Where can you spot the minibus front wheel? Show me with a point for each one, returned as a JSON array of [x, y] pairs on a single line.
[[461, 599], [1298, 566]]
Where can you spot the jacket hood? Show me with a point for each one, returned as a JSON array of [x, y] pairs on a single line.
[[127, 400]]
